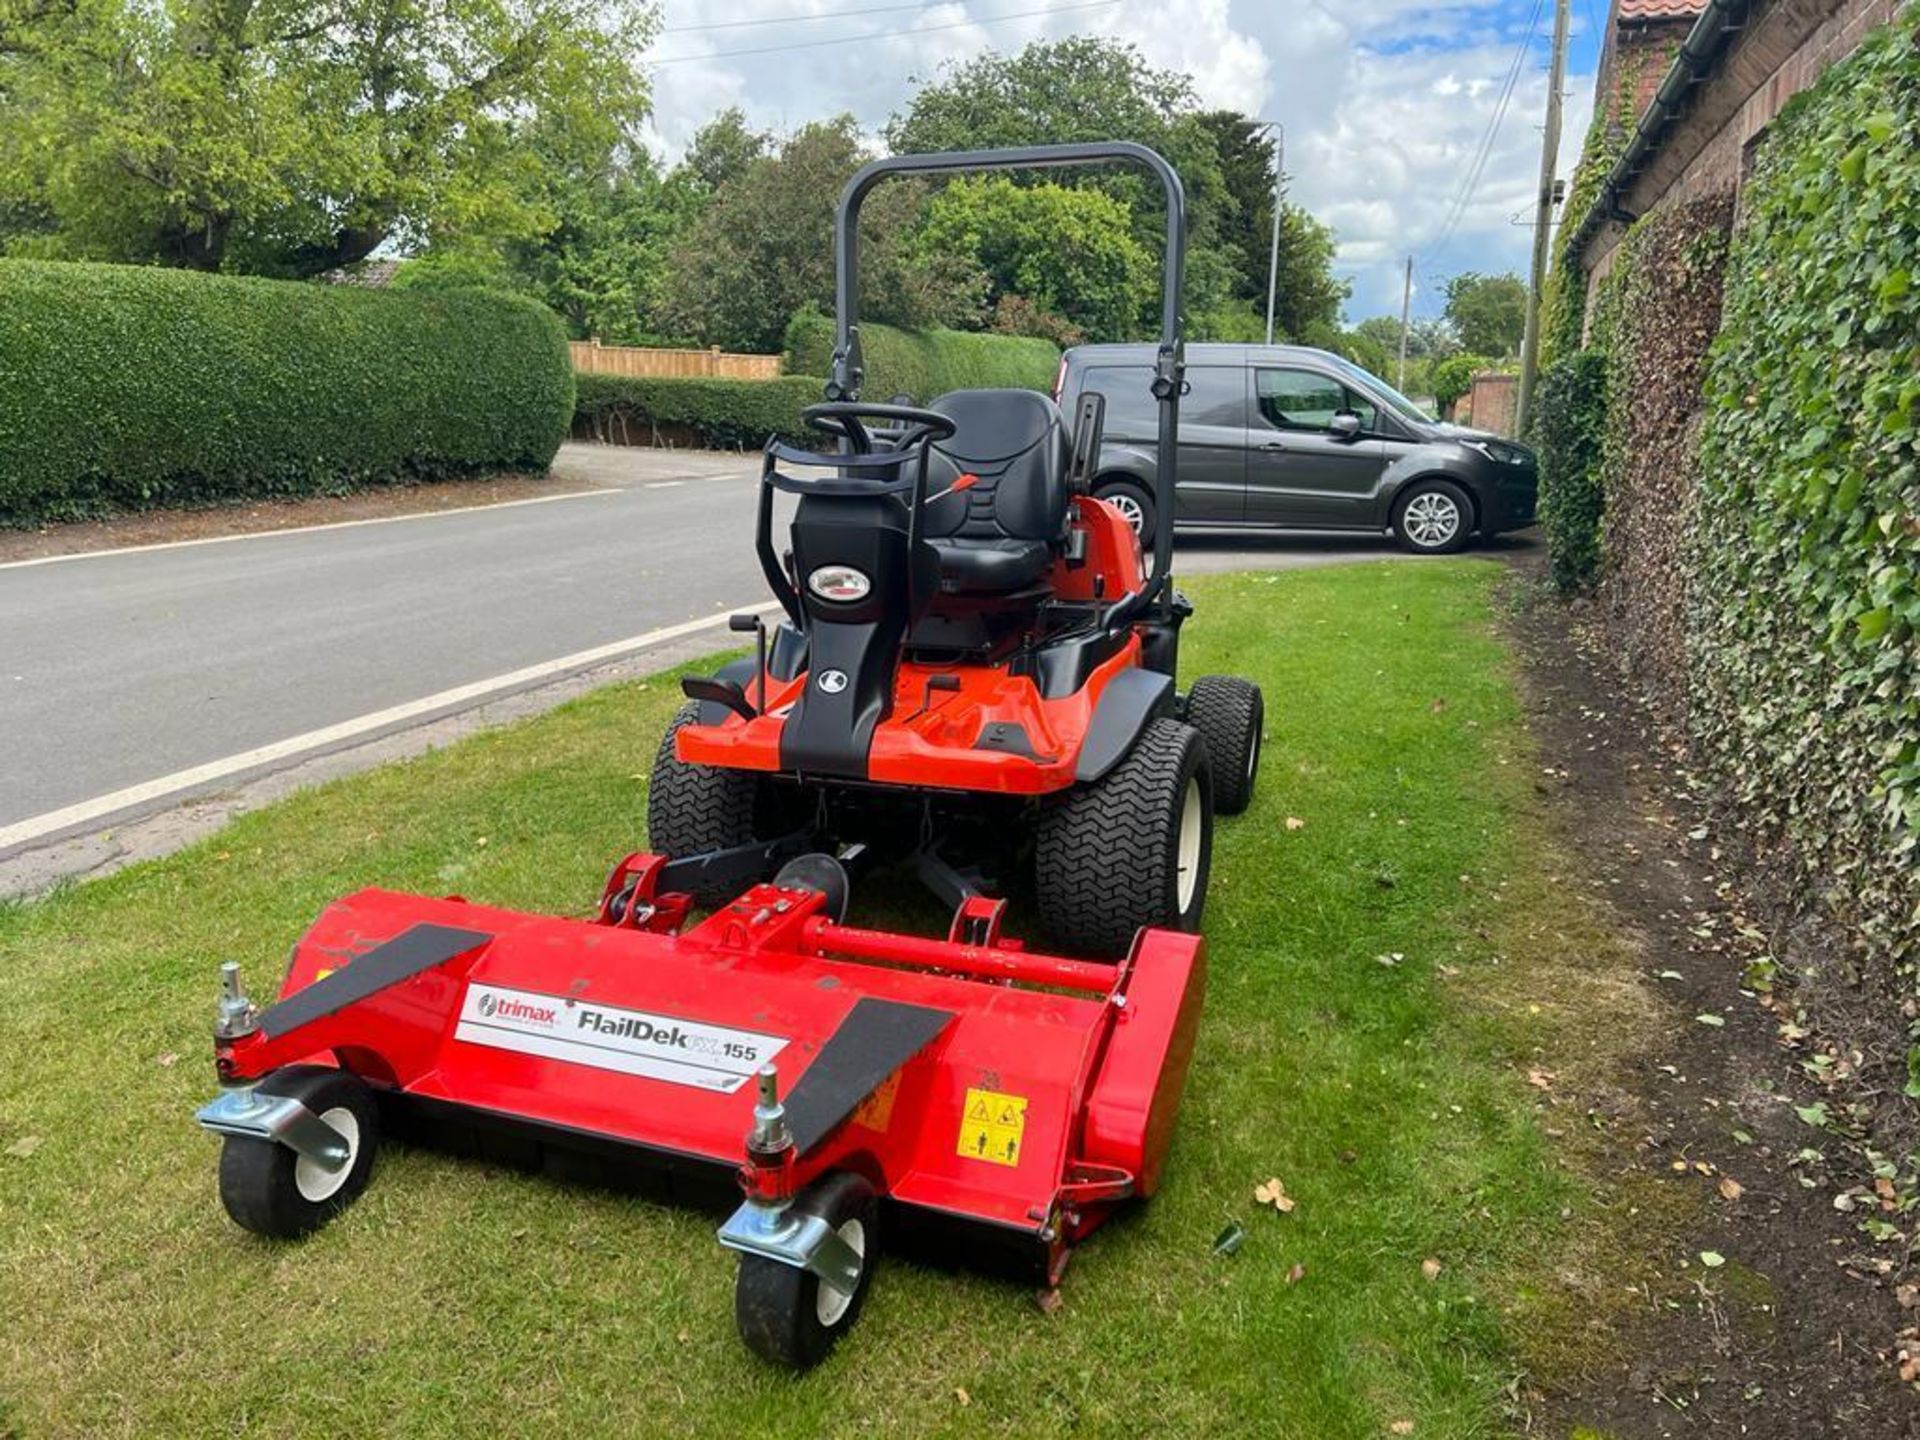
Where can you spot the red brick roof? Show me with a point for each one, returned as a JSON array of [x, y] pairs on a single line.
[[1661, 9]]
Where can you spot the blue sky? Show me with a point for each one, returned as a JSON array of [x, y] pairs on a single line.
[[1385, 102]]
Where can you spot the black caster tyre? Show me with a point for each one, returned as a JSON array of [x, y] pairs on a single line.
[[695, 808], [788, 1316], [1229, 713], [272, 1191], [1433, 517], [1131, 849], [1135, 504]]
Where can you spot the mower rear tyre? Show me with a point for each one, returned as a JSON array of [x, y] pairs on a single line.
[[272, 1190], [692, 809], [1131, 849], [1229, 712], [788, 1315]]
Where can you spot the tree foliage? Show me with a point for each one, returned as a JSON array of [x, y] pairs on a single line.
[[1488, 313], [283, 138]]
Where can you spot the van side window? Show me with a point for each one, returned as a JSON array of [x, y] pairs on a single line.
[[1307, 400], [1131, 411]]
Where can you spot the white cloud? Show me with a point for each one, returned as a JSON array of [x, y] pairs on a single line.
[[1384, 102]]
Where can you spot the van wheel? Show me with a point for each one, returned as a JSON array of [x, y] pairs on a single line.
[[1433, 517], [1134, 504]]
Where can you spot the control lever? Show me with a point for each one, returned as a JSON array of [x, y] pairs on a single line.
[[740, 624], [964, 482]]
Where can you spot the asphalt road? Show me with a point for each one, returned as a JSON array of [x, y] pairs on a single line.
[[119, 669]]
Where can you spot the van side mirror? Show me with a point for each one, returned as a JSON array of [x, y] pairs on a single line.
[[1089, 425], [1344, 426]]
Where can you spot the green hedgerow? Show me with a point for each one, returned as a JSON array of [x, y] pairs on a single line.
[[1569, 429], [922, 364], [123, 387], [723, 414]]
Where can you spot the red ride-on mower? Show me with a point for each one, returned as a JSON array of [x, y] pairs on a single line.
[[969, 644]]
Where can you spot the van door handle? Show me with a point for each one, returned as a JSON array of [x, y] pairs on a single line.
[[1273, 445]]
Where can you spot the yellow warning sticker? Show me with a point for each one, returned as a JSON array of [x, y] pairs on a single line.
[[992, 1127]]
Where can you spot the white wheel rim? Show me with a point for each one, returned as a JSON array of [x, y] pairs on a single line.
[[1129, 509], [314, 1181], [1432, 518], [829, 1304], [1253, 757], [1187, 877]]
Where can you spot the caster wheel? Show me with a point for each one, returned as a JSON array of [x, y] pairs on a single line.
[[273, 1191], [1229, 712], [789, 1316]]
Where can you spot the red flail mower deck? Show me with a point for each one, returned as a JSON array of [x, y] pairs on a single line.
[[967, 1081]]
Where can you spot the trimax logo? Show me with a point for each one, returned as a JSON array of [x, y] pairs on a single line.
[[631, 1027], [493, 1006]]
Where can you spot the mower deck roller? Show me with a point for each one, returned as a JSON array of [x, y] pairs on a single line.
[[964, 1082]]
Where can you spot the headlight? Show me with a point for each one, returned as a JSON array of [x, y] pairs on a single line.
[[839, 582], [1501, 452]]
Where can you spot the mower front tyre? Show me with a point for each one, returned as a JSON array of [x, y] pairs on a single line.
[[1131, 849], [791, 1317], [275, 1191], [1229, 713], [692, 809]]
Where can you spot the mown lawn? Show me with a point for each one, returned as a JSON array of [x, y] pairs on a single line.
[[454, 1299]]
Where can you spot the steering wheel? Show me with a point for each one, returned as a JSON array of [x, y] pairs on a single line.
[[841, 419]]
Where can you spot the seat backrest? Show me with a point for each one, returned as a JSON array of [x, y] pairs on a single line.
[[1014, 441]]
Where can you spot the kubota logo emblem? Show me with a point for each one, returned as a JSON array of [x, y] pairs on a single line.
[[832, 681]]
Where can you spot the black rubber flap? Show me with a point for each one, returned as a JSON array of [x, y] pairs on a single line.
[[420, 948], [876, 1039]]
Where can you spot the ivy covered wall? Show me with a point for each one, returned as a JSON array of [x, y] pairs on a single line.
[[1803, 627]]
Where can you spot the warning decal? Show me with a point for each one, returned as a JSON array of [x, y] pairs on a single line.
[[635, 1042], [992, 1126]]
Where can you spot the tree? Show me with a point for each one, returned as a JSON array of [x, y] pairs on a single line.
[[1305, 290], [763, 250], [1069, 253], [1488, 312], [723, 149], [279, 137]]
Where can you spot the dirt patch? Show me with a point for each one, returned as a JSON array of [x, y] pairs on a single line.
[[1780, 1313], [162, 527]]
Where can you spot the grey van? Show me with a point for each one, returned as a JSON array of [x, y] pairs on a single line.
[[1286, 437]]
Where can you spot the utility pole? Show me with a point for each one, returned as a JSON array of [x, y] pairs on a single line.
[[1406, 320], [1543, 213], [1273, 253]]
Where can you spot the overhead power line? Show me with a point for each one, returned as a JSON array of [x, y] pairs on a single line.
[[1470, 183], [884, 34], [797, 19]]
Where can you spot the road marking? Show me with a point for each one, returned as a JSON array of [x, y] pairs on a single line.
[[304, 529], [41, 827], [665, 484]]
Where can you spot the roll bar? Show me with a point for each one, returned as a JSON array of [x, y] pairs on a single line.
[[1169, 370]]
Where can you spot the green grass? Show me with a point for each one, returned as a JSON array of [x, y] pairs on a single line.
[[457, 1299]]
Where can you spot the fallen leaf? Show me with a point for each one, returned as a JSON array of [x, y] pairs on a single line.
[[1447, 972], [1540, 1079], [1294, 822], [1390, 959], [1048, 1300], [1908, 1296], [1670, 975], [1296, 1274], [23, 1148], [1229, 1240], [1730, 1188], [1400, 1427], [1438, 706], [168, 1059], [960, 1394], [1714, 1020], [1275, 1194], [1430, 1268], [1712, 1259]]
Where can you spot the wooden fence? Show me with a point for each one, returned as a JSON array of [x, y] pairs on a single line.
[[597, 359]]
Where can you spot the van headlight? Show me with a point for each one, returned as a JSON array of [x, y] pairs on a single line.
[[1501, 452]]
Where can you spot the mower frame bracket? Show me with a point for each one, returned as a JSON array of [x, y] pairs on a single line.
[[278, 1118], [791, 1237]]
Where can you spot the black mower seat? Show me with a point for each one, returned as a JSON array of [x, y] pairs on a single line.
[[1000, 536]]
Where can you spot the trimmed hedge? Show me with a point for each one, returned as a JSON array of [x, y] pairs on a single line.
[[926, 363], [1569, 428], [722, 414], [123, 387], [1804, 624]]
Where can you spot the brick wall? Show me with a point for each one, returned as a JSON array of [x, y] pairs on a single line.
[[1782, 50], [1492, 401]]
